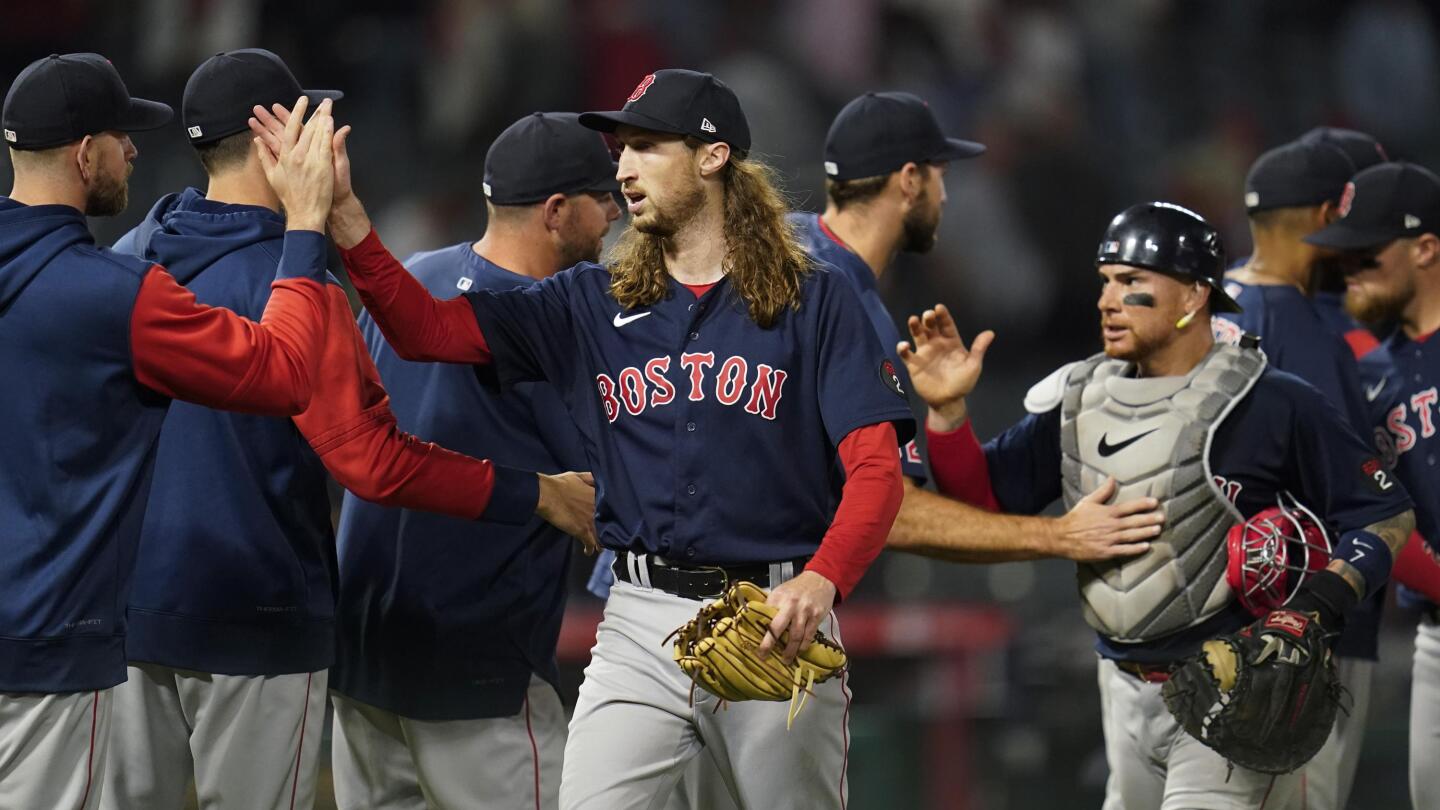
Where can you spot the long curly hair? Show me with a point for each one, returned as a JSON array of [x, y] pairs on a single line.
[[764, 263]]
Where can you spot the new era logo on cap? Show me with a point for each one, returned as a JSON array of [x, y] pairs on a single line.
[[706, 126], [1412, 221], [10, 135], [195, 132], [1252, 199], [831, 167], [485, 187]]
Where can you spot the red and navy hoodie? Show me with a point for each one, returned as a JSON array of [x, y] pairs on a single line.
[[94, 345], [236, 568]]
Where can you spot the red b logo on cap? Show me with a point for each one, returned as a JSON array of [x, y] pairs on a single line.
[[1346, 199], [641, 88]]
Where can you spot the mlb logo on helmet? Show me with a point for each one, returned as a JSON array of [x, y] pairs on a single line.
[[1346, 199], [641, 87]]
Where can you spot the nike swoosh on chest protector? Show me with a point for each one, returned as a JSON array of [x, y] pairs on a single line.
[[1107, 449]]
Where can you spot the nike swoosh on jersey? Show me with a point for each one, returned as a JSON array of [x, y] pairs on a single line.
[[619, 321], [1107, 449], [1372, 393]]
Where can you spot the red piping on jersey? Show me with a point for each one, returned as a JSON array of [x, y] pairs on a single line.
[[534, 751], [90, 757], [825, 229], [300, 750], [700, 289]]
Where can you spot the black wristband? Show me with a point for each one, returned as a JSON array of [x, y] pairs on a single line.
[[1329, 595]]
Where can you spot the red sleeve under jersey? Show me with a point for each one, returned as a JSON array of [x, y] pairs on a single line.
[[958, 463], [213, 357], [868, 506], [350, 425], [416, 324]]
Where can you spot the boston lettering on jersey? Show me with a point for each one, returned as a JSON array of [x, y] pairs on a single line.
[[628, 390], [715, 440], [1400, 384]]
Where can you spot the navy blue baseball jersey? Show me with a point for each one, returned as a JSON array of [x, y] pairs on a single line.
[[822, 243], [1297, 339], [489, 597], [1400, 380], [712, 440], [1283, 436]]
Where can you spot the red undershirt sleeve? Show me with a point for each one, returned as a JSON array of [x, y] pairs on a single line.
[[350, 426], [958, 463], [868, 506], [213, 357], [416, 324]]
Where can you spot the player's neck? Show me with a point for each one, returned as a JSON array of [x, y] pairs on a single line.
[[1278, 259], [246, 186], [1182, 354], [696, 253], [1422, 315], [876, 239], [31, 190], [522, 252]]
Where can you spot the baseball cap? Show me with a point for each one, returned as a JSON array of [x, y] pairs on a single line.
[[62, 98], [547, 153], [681, 102], [1297, 174], [878, 133], [1385, 202], [1362, 149], [222, 91]]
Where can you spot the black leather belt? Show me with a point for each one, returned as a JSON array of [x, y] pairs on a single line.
[[697, 581]]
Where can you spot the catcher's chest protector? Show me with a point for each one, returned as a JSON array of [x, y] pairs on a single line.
[[1154, 436]]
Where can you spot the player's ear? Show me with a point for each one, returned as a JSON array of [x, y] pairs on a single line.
[[713, 157], [552, 211], [85, 157], [912, 181], [1426, 250], [1327, 213]]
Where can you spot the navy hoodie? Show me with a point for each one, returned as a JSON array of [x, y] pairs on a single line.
[[79, 431], [236, 563]]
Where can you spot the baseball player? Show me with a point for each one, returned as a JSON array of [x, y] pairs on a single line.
[[102, 343], [469, 707], [231, 617], [717, 375], [1293, 191], [1217, 437], [1389, 222], [885, 160]]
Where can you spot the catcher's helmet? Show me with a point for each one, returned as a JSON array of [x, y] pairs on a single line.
[[1168, 239], [1272, 553]]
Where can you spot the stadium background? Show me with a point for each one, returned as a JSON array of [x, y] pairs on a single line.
[[975, 684]]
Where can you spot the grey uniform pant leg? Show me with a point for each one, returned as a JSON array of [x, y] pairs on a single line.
[[1425, 717], [1327, 779], [254, 741], [53, 749], [384, 761], [635, 728], [1148, 751]]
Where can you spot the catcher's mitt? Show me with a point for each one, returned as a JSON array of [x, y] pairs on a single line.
[[1264, 698], [718, 649]]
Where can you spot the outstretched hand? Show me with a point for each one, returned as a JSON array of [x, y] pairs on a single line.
[[1094, 530], [298, 160], [272, 127], [942, 370]]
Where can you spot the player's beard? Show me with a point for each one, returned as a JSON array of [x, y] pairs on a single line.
[[664, 223], [109, 195], [919, 225], [575, 248], [1375, 307]]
